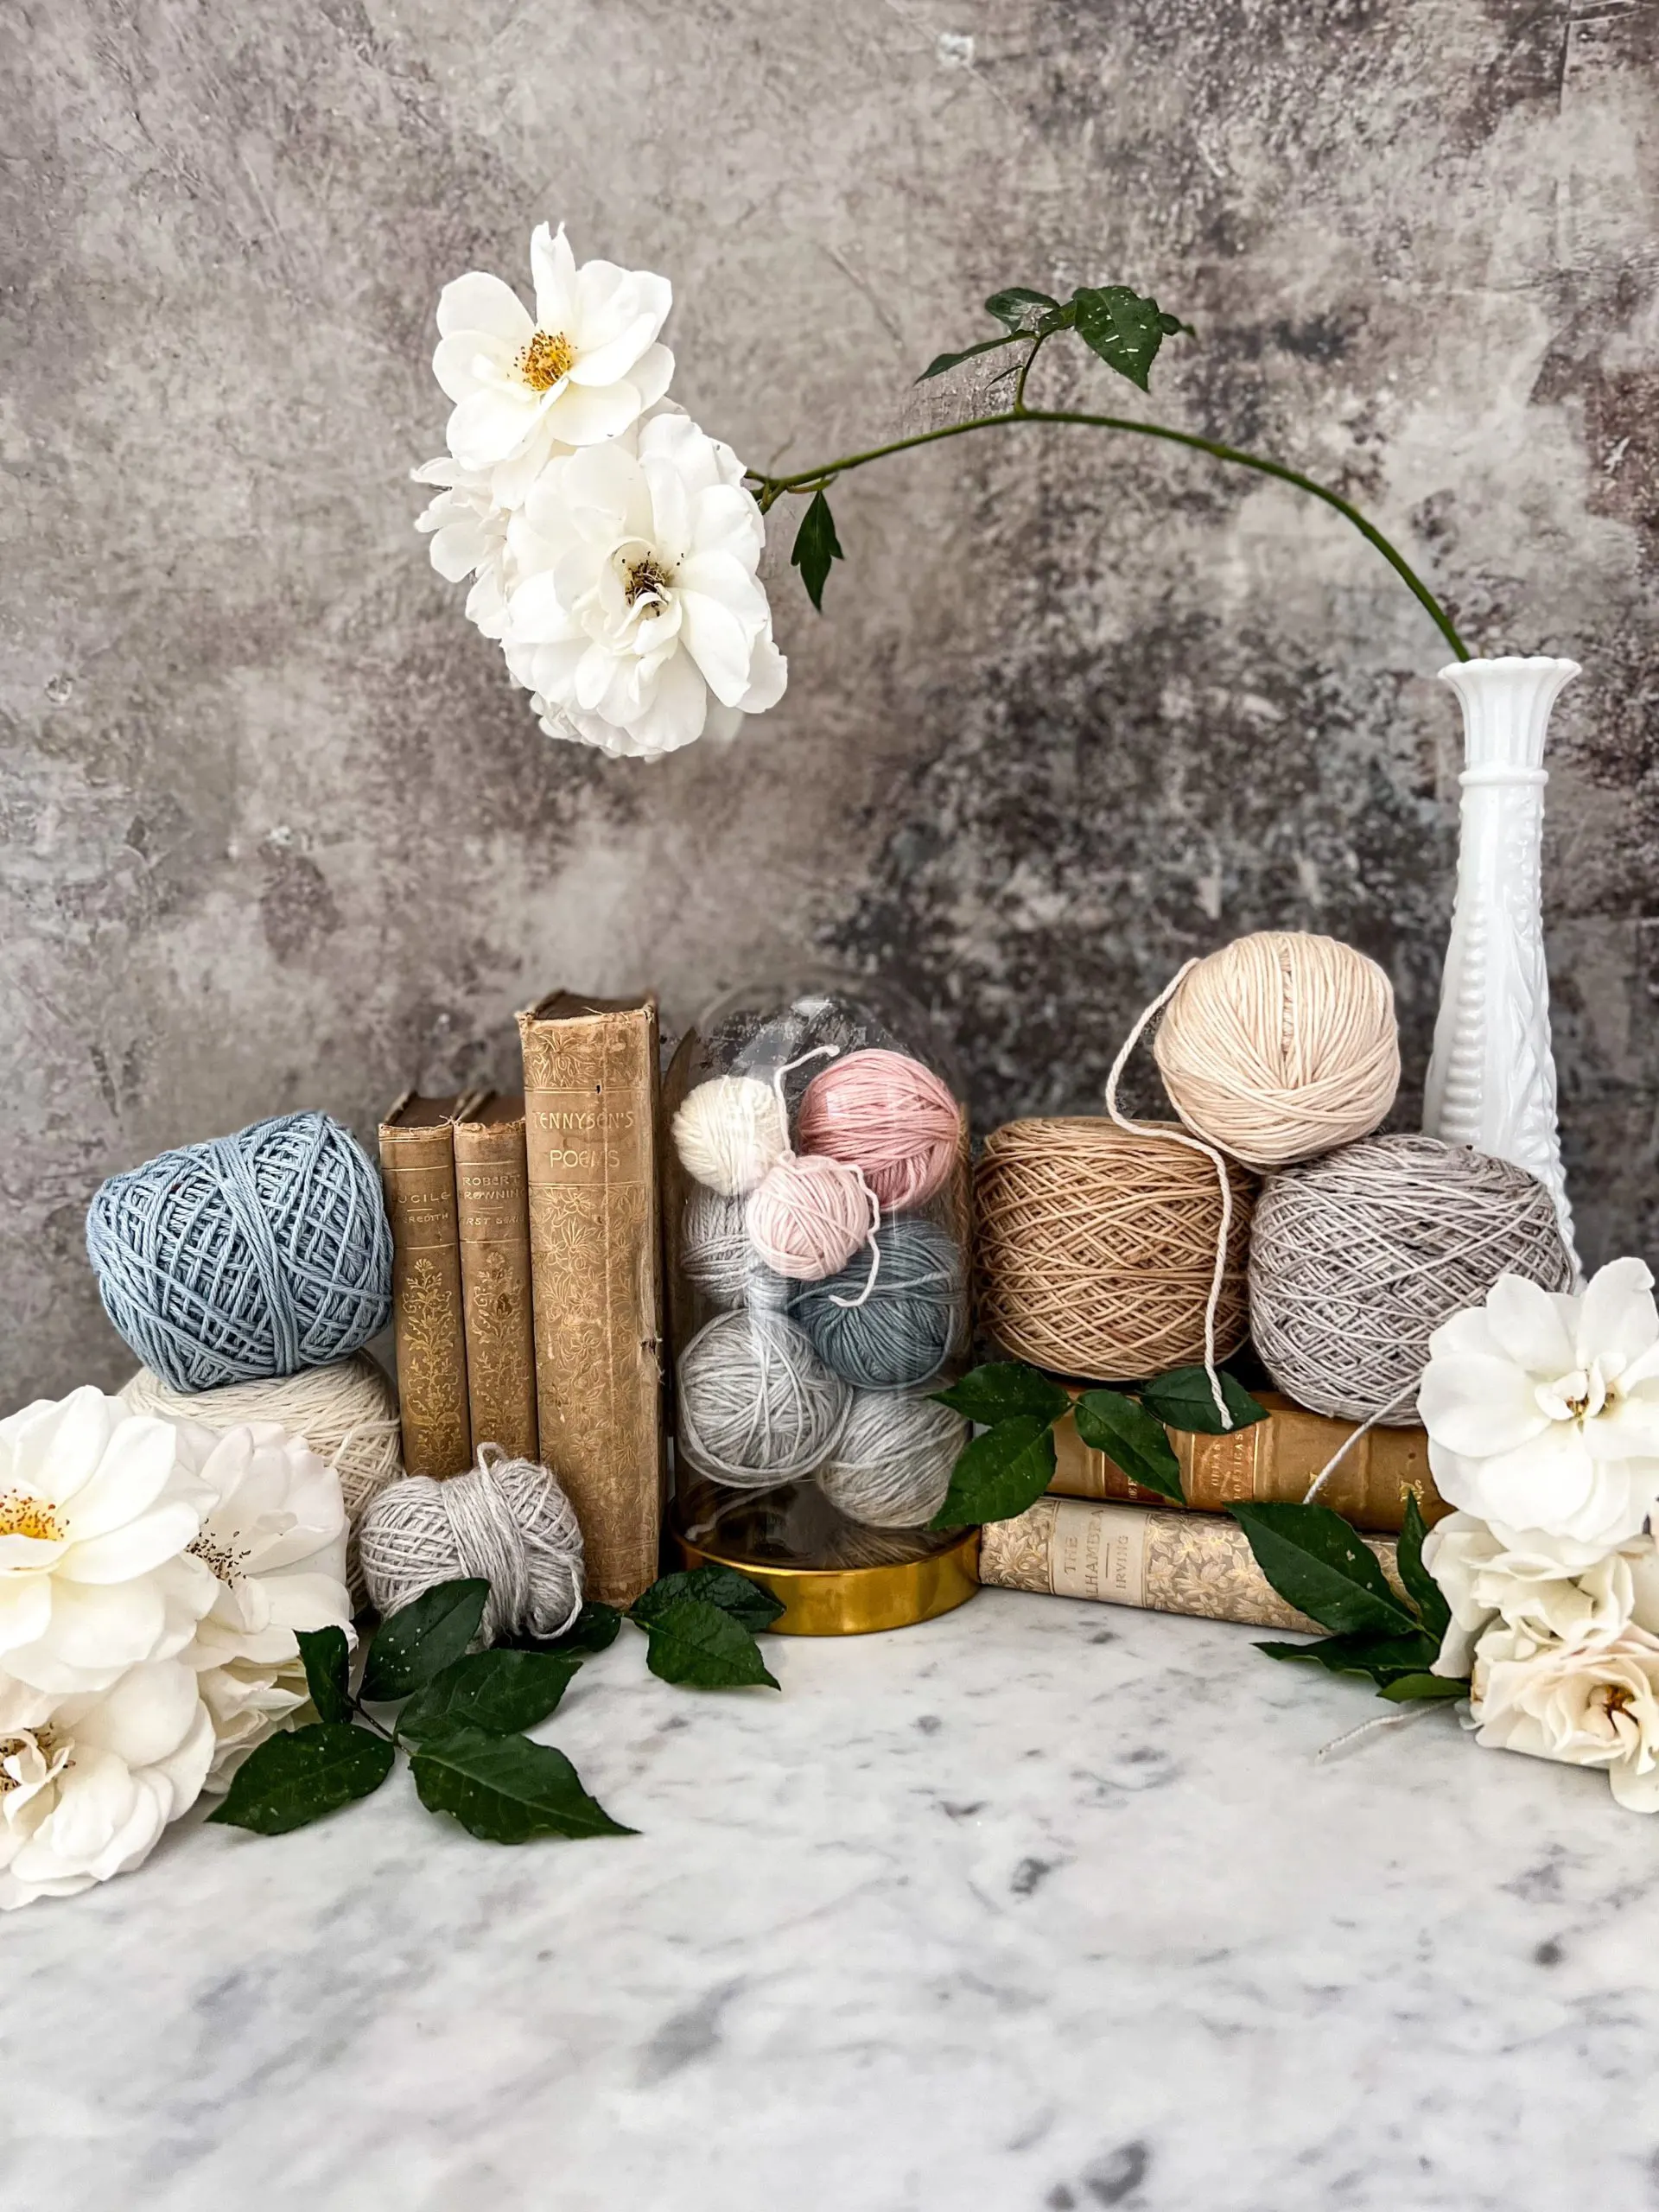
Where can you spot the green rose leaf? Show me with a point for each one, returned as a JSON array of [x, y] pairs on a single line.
[[299, 1775], [1423, 1590], [1003, 1390], [1183, 1399], [941, 362], [1316, 1563], [505, 1789], [1384, 1658], [1124, 329], [735, 1593], [500, 1692], [1407, 1687], [815, 547], [701, 1646], [328, 1671], [1127, 1434], [1021, 308], [1000, 1474], [412, 1645]]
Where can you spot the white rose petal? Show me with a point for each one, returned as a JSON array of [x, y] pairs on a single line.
[[98, 1507], [88, 1781], [1542, 1598], [1542, 1413], [638, 621], [1593, 1704]]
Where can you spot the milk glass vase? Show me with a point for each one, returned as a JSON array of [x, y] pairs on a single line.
[[816, 1205], [1491, 1078]]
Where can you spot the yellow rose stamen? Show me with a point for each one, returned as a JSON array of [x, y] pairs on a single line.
[[646, 575], [21, 1515], [549, 356]]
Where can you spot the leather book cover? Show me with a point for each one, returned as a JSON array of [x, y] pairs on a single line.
[[591, 1142], [1167, 1562], [1272, 1461], [493, 1207], [417, 1169]]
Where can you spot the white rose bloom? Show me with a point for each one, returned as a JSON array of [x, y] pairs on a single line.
[[1542, 1412], [469, 539], [88, 1782], [639, 622], [1587, 1705], [584, 369], [1530, 1590], [276, 1544], [97, 1507]]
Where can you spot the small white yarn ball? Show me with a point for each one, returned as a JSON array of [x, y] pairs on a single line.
[[730, 1131], [892, 1464], [506, 1520]]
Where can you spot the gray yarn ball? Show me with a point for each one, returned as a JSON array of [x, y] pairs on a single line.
[[903, 1332], [1357, 1257], [719, 1258], [755, 1406], [892, 1464], [506, 1520]]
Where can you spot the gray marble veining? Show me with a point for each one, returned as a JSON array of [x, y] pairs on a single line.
[[1043, 1906]]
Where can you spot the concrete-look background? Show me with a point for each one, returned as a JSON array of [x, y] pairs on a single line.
[[280, 832]]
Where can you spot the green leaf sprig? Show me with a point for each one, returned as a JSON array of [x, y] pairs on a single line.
[[1006, 1469], [1125, 329], [1317, 1562], [464, 1712]]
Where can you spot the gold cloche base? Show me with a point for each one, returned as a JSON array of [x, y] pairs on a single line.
[[856, 1601]]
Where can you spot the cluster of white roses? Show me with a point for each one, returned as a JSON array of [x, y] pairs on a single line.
[[152, 1576], [1543, 1415], [613, 546]]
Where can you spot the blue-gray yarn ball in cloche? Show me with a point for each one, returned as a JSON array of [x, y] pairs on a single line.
[[251, 1257], [903, 1333]]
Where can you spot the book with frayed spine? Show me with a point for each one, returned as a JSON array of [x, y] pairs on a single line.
[[493, 1206]]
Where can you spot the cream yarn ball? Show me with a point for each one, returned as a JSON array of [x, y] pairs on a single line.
[[730, 1131], [1281, 1046], [347, 1412]]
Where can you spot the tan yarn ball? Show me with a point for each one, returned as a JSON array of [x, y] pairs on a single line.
[[1281, 1046], [347, 1412], [1096, 1248]]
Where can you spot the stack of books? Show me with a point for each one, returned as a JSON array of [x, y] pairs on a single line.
[[1097, 1535], [526, 1282]]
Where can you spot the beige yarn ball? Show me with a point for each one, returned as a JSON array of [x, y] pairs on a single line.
[[729, 1132], [347, 1412], [1281, 1046]]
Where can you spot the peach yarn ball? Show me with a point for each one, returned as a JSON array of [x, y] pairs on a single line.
[[808, 1216], [890, 1116], [1279, 1046]]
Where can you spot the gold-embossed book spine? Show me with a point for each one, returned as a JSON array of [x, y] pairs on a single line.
[[1272, 1462], [590, 1137], [418, 1170], [1166, 1561], [492, 1204]]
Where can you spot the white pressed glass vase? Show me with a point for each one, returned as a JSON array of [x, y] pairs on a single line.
[[1491, 1078]]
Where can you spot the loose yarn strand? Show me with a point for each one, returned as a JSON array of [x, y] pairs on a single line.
[[817, 1052], [1364, 1428], [875, 1246], [1354, 1739], [1193, 1144]]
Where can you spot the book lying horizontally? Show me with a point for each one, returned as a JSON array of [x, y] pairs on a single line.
[[1274, 1462], [417, 1169], [492, 1209], [1165, 1560]]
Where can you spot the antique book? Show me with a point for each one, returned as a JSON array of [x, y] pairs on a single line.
[[1272, 1461], [417, 1168], [590, 1138], [1166, 1561], [493, 1208]]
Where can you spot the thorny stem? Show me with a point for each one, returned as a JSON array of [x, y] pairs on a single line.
[[768, 489]]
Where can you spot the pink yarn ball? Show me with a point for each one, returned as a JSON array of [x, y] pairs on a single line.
[[808, 1216], [888, 1115]]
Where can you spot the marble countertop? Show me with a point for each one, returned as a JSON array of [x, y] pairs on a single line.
[[1042, 1905]]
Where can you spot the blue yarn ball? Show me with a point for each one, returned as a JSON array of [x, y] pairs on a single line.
[[903, 1333], [249, 1257]]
